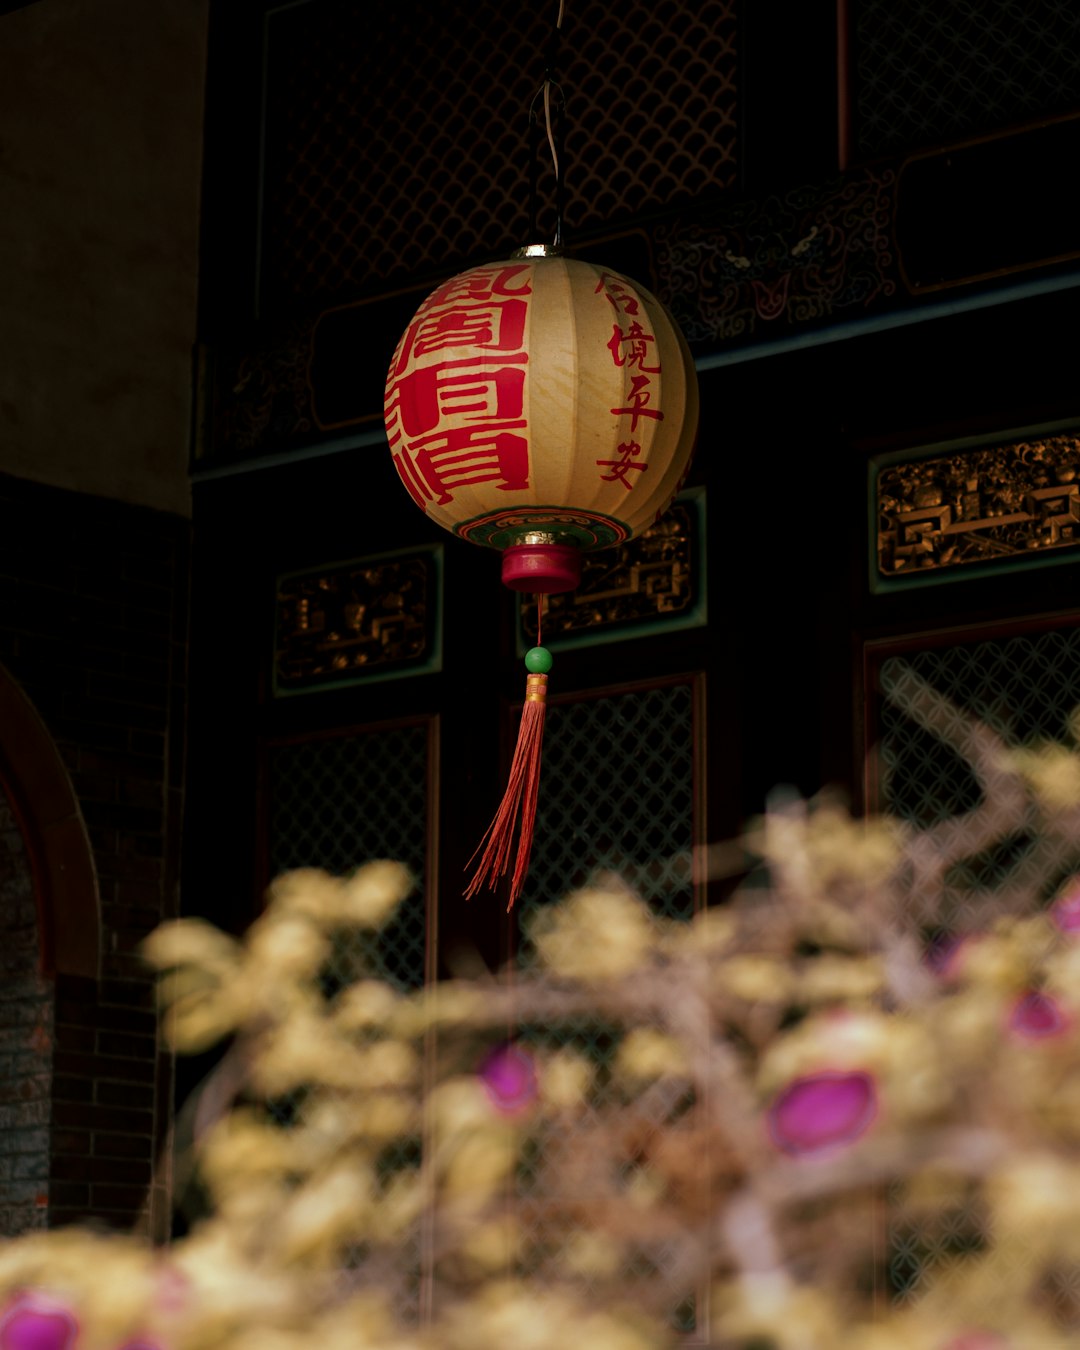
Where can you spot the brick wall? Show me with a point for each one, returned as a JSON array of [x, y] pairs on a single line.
[[93, 621], [26, 1012]]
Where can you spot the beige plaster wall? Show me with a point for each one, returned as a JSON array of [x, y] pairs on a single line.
[[101, 105]]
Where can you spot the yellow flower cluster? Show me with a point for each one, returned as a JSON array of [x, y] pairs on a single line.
[[748, 1121]]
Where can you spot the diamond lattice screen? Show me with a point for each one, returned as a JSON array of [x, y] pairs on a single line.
[[397, 131], [337, 803], [929, 73], [616, 799], [1021, 689], [616, 795]]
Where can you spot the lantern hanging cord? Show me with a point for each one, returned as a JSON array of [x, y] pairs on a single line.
[[550, 94], [547, 127], [544, 92], [548, 81]]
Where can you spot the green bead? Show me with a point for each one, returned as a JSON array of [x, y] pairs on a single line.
[[538, 661]]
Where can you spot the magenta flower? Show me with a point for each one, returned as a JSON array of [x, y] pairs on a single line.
[[34, 1321], [1065, 911], [822, 1112], [1036, 1016], [509, 1075]]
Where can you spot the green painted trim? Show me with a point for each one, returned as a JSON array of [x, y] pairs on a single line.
[[505, 529]]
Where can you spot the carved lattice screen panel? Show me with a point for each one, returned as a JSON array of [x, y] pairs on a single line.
[[929, 73], [338, 802], [617, 795], [617, 798], [1021, 688], [397, 132]]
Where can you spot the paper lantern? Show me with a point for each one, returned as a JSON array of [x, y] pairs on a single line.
[[542, 406]]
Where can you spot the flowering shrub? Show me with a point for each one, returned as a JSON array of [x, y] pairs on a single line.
[[792, 1091]]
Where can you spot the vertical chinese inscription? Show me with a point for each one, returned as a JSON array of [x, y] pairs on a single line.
[[456, 421], [633, 349]]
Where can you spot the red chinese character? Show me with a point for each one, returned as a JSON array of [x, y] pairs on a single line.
[[434, 466], [620, 468], [462, 326], [636, 341], [466, 390], [638, 402], [617, 294], [482, 283], [487, 325]]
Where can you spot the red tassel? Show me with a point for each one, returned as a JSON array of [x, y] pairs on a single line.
[[518, 800]]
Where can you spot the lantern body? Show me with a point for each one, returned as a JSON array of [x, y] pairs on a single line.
[[542, 402]]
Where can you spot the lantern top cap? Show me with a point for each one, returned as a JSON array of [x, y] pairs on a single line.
[[538, 251]]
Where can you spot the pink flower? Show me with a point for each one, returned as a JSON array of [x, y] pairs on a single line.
[[34, 1321], [173, 1290], [822, 1112], [1036, 1016], [1065, 911], [509, 1075]]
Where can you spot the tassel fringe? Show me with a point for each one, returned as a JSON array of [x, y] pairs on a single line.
[[518, 806]]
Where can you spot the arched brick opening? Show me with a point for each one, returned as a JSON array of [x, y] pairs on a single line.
[[49, 929], [49, 925], [92, 708], [37, 786]]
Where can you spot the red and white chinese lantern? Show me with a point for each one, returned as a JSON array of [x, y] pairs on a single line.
[[544, 407]]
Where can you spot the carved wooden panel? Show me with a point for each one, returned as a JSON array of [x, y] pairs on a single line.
[[372, 618], [990, 505]]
